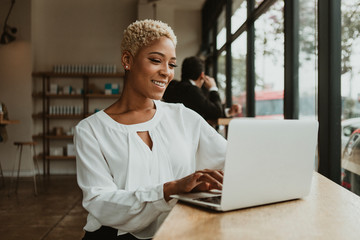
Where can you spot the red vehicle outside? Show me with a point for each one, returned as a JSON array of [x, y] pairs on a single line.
[[268, 104]]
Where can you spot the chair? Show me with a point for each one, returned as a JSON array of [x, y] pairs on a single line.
[[20, 146]]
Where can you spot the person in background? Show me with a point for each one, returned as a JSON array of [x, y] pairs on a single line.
[[133, 155], [189, 92]]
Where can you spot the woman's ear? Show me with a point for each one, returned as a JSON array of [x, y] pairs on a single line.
[[126, 60]]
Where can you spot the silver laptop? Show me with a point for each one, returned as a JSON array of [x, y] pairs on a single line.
[[267, 161]]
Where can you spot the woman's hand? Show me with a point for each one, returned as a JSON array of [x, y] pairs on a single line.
[[199, 181]]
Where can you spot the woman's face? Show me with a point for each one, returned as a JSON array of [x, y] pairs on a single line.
[[152, 69]]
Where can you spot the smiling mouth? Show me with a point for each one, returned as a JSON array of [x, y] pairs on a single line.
[[160, 84]]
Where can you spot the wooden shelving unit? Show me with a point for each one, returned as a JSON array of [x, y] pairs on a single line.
[[45, 117]]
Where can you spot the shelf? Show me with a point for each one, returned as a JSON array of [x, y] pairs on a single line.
[[37, 136], [59, 137], [87, 97], [52, 95], [54, 137], [37, 95], [6, 122], [99, 95], [53, 116], [37, 115], [60, 157], [50, 157], [73, 116], [78, 75]]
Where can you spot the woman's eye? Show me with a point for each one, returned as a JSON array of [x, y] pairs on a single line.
[[173, 65], [155, 60]]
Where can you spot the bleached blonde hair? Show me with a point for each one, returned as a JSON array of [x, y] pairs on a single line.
[[142, 33]]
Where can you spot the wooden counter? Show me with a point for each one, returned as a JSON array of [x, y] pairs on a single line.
[[329, 212]]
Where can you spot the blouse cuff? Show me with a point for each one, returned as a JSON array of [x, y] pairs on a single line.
[[161, 204], [155, 195]]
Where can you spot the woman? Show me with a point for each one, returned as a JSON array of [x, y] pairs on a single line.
[[134, 154]]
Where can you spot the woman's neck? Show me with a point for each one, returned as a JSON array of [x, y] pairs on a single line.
[[130, 109]]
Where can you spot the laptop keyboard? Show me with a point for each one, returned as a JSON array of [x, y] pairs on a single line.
[[215, 199]]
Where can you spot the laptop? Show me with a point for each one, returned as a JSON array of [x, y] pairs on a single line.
[[267, 161]]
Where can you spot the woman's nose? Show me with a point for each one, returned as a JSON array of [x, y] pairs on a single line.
[[165, 70]]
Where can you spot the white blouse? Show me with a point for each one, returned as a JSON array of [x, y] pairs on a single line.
[[122, 178]]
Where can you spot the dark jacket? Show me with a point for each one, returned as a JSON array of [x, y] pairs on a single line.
[[209, 107]]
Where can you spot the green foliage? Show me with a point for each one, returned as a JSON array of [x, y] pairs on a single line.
[[350, 11]]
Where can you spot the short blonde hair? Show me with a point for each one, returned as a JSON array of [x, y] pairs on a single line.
[[142, 33]]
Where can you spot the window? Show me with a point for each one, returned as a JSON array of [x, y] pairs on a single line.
[[258, 2], [350, 49], [221, 30], [269, 59], [221, 75], [238, 55], [258, 48], [350, 94], [308, 72], [239, 15]]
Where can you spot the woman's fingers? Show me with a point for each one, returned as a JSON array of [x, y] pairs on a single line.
[[217, 174], [201, 181], [202, 187], [212, 181], [209, 179]]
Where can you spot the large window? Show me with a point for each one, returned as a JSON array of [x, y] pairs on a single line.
[[258, 2], [308, 72], [350, 94], [350, 77], [269, 62], [239, 14], [238, 54], [221, 30], [307, 83], [221, 75]]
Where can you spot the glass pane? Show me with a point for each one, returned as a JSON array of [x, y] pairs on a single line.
[[210, 44], [221, 75], [221, 30], [350, 93], [238, 53], [210, 36], [308, 71], [239, 15], [269, 63], [258, 2]]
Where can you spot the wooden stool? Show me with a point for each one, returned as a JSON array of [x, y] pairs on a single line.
[[35, 162]]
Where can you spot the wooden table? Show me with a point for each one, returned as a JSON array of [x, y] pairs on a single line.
[[224, 121], [329, 212]]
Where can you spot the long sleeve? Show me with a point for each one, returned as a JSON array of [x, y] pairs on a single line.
[[211, 150], [125, 210]]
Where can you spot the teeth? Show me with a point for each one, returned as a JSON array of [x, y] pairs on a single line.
[[161, 84]]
